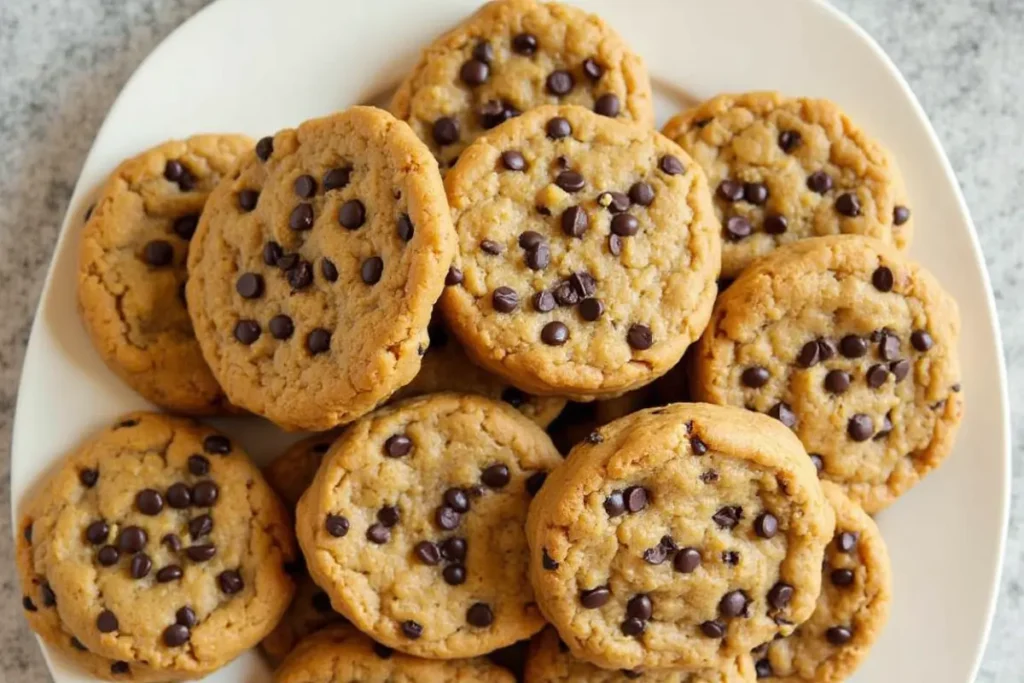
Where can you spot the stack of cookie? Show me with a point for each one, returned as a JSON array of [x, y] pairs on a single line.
[[425, 290]]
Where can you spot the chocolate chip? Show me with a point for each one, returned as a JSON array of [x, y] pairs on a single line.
[[504, 299], [524, 44], [447, 518], [281, 327], [106, 622], [97, 532], [763, 669], [728, 517], [403, 228], [560, 82], [591, 309], [454, 575], [27, 533], [546, 561], [272, 252], [158, 253], [140, 566], [848, 205], [614, 244], [838, 635], [88, 477], [846, 541], [382, 651], [495, 476], [454, 549], [876, 376], [639, 337], [755, 193], [595, 597], [336, 178], [900, 369], [247, 331], [570, 181], [827, 349], [558, 127], [457, 499], [737, 228], [698, 446], [446, 131], [494, 113], [108, 556], [480, 615], [318, 341], [921, 340], [230, 581], [171, 572], [119, 667], [635, 498], [900, 215], [819, 182], [837, 381], [483, 51], [656, 555], [766, 525], [427, 553], [201, 553], [288, 262], [265, 147], [712, 629], [453, 277], [883, 279], [625, 225], [78, 645], [249, 285], [49, 598], [733, 604], [565, 294], [607, 105], [352, 214], [756, 376], [709, 476], [538, 258], [889, 349], [378, 534], [615, 504], [200, 526], [336, 525], [176, 635], [842, 577], [788, 140], [132, 539], [534, 482], [397, 446], [686, 560], [633, 626], [149, 502], [853, 346], [247, 200], [671, 165], [185, 226], [301, 217], [515, 398], [173, 170], [783, 413], [491, 247], [172, 542], [774, 224], [860, 427], [513, 160], [583, 283], [474, 72], [729, 190], [780, 595], [731, 557], [575, 221], [554, 333]]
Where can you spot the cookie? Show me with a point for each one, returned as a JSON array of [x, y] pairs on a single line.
[[315, 268], [550, 661], [514, 55], [414, 524], [852, 609], [161, 547], [343, 655], [784, 169], [679, 537], [588, 253], [850, 345], [445, 367], [579, 420], [290, 473], [131, 269]]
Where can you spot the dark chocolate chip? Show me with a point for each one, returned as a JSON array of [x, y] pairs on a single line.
[[730, 557], [565, 294], [457, 499], [709, 476], [249, 285], [595, 597], [671, 165], [546, 561], [686, 560], [853, 346], [755, 193], [558, 127], [774, 224], [201, 553], [495, 476], [78, 645], [454, 575], [570, 181], [158, 253], [592, 68], [480, 615], [265, 147], [494, 113], [247, 331], [106, 622], [176, 635], [729, 190], [560, 82], [88, 477], [336, 525], [838, 635], [639, 337], [766, 525], [848, 205], [538, 258], [583, 283], [614, 244], [607, 105], [491, 247], [49, 598], [445, 131], [860, 427], [900, 215], [755, 376], [272, 252], [149, 502], [474, 72], [513, 160], [108, 556], [247, 200], [921, 340], [200, 526], [119, 667], [504, 299], [698, 446], [827, 349], [428, 553], [837, 381], [171, 572], [524, 44], [841, 577], [876, 376], [788, 140], [733, 604], [281, 326], [817, 461], [97, 532], [453, 277], [141, 566], [712, 629], [575, 221], [737, 228], [780, 595], [819, 182], [534, 482], [625, 225], [591, 309], [513, 397], [900, 369], [483, 51], [783, 413], [656, 555], [378, 534], [889, 349], [230, 581], [635, 498], [641, 193], [397, 446], [615, 504], [318, 341], [728, 517], [633, 626], [336, 178], [301, 217], [554, 333], [454, 549], [132, 539], [185, 226], [287, 261], [173, 170], [447, 518], [404, 228]]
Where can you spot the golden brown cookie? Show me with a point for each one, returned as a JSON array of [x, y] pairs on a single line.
[[131, 269], [414, 524], [679, 537], [784, 169], [514, 55], [316, 266], [850, 345], [588, 253]]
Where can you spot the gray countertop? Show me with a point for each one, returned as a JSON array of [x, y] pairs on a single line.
[[62, 63]]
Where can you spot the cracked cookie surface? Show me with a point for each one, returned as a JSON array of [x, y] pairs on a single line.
[[514, 55], [131, 269], [852, 608], [161, 547], [679, 537], [315, 268], [850, 345], [587, 257], [784, 169], [414, 524]]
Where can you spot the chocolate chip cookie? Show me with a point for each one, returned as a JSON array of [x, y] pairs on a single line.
[[784, 169], [315, 268], [290, 473], [343, 655], [850, 345], [445, 367], [679, 537], [161, 547], [131, 269], [550, 661], [588, 253], [514, 55], [414, 524], [852, 609]]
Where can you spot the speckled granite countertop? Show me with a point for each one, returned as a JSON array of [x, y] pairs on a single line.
[[62, 63]]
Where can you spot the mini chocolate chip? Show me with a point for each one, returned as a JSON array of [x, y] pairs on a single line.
[[544, 301], [780, 595], [783, 413], [119, 667], [809, 354], [397, 446], [838, 635], [403, 228], [217, 444], [247, 331], [447, 518], [336, 178], [733, 604], [328, 270], [853, 346], [140, 566], [480, 615], [301, 217], [453, 277], [265, 147], [535, 481], [513, 160], [595, 597], [97, 532], [247, 200], [494, 113], [755, 193], [230, 581], [495, 476], [454, 575], [788, 140], [819, 182], [900, 369], [560, 82], [445, 131], [382, 651], [491, 247], [427, 553], [504, 299], [607, 105], [615, 202], [554, 333], [378, 534], [900, 215], [635, 498], [106, 622], [766, 525], [860, 427], [583, 283], [591, 309], [774, 224], [729, 190], [558, 127], [524, 44], [201, 553], [78, 645], [575, 221], [185, 226], [842, 577], [592, 68], [737, 228], [186, 616], [848, 205], [200, 526], [389, 515], [318, 341], [625, 225], [546, 561], [336, 525], [709, 476], [513, 397], [158, 253], [454, 549], [641, 193], [876, 376], [921, 340], [728, 517], [281, 327], [615, 504], [755, 376], [108, 556], [712, 629], [570, 181], [686, 560], [149, 502], [132, 539], [639, 337], [474, 72], [837, 381], [172, 542], [171, 572], [671, 165]]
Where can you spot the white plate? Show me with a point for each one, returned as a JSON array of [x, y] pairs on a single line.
[[259, 65]]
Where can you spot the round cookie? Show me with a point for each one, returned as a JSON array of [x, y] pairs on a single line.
[[163, 546], [445, 367], [131, 269], [588, 253], [514, 55], [784, 169], [679, 537], [316, 266], [550, 661], [343, 655], [852, 608], [852, 346], [414, 524]]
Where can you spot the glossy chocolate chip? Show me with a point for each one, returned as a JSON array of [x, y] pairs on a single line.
[[336, 525], [554, 333], [336, 178], [200, 526], [264, 148], [454, 575], [819, 182], [876, 376], [728, 516], [281, 327], [733, 604], [625, 225], [595, 597], [575, 221], [97, 532], [524, 44], [171, 572], [780, 595], [454, 277], [454, 549], [513, 160], [491, 247], [372, 270], [557, 128], [446, 518], [132, 539], [883, 279], [639, 337], [428, 553], [614, 245], [504, 299], [378, 534], [247, 200], [592, 68], [671, 165], [789, 140], [474, 72], [445, 131], [397, 446], [201, 553], [158, 253], [544, 301], [272, 252], [480, 615], [766, 525], [838, 635], [852, 346], [607, 105], [570, 181], [712, 629], [641, 193], [860, 427], [729, 190], [149, 502], [921, 340], [783, 413], [457, 499], [900, 369], [686, 560], [774, 224], [615, 504], [546, 561], [591, 309], [848, 205], [176, 635], [755, 376], [635, 498], [755, 193], [230, 581], [837, 381], [108, 556], [842, 577], [185, 226], [560, 82], [88, 477], [738, 228], [318, 341], [301, 217], [106, 622], [697, 446], [900, 215]]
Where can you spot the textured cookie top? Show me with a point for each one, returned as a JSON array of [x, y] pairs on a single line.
[[681, 537], [163, 546], [445, 367], [131, 270], [783, 169], [850, 345], [588, 252], [514, 55], [343, 655], [551, 662], [414, 524], [852, 608], [315, 268]]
